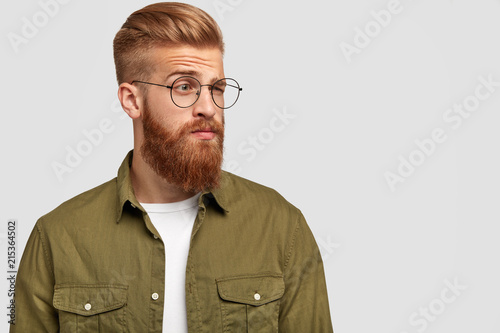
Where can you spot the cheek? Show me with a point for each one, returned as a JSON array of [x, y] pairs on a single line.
[[219, 116], [166, 116], [159, 104]]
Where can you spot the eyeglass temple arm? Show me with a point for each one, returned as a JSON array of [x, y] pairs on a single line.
[[153, 84]]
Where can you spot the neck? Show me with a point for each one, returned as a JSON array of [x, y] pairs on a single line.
[[149, 187]]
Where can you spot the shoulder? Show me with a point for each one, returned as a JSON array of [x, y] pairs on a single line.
[[98, 201], [239, 190]]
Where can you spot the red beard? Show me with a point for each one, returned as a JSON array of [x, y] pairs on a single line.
[[193, 165]]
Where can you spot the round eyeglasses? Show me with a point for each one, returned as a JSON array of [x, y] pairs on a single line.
[[186, 90]]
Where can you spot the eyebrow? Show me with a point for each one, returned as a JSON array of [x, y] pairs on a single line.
[[182, 72]]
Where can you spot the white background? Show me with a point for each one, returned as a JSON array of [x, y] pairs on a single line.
[[390, 254]]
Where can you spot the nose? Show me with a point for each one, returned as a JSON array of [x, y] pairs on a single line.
[[205, 106]]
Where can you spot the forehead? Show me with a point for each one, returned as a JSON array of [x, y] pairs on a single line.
[[202, 62]]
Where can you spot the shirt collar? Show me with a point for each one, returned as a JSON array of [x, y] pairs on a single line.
[[219, 194], [124, 186], [125, 191]]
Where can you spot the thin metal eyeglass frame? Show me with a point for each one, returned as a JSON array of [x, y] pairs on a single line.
[[199, 92]]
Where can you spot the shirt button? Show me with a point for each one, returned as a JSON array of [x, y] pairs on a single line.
[[256, 296], [155, 296], [155, 237], [88, 306]]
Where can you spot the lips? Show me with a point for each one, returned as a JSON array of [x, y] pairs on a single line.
[[204, 133]]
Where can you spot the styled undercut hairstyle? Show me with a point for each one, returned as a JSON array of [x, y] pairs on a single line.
[[161, 24]]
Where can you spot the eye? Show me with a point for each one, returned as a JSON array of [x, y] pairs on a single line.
[[185, 86], [219, 88], [217, 91]]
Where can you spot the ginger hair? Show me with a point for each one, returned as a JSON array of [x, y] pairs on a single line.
[[157, 25]]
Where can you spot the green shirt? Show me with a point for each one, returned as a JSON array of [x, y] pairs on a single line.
[[97, 264]]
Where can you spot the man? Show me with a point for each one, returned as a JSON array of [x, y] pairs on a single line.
[[173, 243]]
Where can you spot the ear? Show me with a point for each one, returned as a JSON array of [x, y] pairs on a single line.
[[131, 99]]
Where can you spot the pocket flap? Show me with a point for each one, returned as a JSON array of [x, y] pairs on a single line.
[[90, 299], [254, 290]]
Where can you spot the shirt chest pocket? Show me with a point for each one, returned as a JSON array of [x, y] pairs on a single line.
[[91, 308], [250, 303]]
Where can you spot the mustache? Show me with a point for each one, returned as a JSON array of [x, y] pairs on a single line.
[[203, 125]]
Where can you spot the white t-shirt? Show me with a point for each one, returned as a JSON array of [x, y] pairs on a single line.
[[174, 221]]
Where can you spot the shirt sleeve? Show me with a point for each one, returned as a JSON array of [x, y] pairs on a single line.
[[35, 288], [304, 306]]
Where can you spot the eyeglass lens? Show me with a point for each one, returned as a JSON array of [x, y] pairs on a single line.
[[186, 91]]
